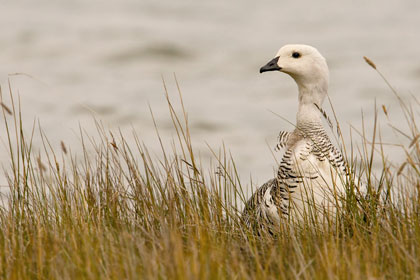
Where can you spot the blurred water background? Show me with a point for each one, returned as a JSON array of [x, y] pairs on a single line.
[[106, 59]]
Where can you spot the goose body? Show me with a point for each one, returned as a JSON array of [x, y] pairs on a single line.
[[311, 176]]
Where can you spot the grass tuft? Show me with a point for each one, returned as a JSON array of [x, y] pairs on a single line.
[[119, 213]]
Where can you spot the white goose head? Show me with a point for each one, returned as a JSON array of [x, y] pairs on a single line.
[[307, 67]]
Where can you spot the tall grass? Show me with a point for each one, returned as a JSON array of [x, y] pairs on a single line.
[[119, 213]]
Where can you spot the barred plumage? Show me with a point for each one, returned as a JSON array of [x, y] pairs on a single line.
[[282, 140], [312, 173]]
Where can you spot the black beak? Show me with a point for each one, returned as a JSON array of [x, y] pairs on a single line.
[[271, 66]]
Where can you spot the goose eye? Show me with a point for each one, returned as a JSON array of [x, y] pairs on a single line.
[[296, 55]]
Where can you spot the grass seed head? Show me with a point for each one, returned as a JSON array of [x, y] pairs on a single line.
[[385, 110], [370, 62], [6, 108], [63, 147]]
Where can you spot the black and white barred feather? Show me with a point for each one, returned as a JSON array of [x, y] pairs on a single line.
[[308, 150]]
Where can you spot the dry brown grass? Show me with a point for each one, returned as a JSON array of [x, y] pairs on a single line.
[[121, 214]]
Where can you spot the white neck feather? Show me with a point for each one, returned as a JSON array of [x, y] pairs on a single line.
[[309, 95]]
